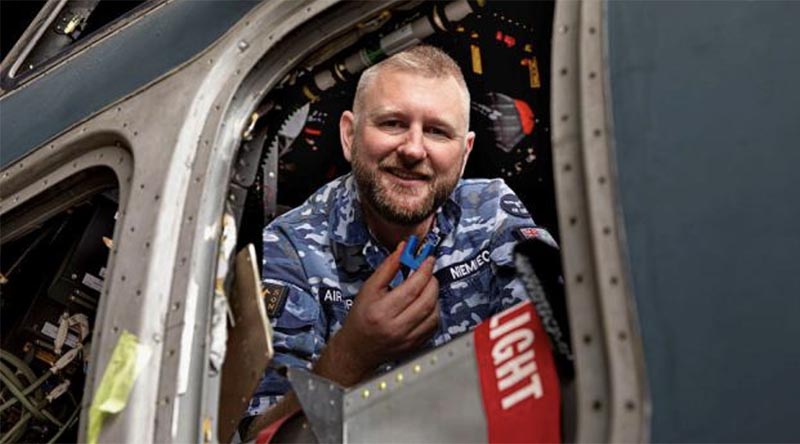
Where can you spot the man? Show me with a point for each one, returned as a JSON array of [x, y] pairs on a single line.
[[340, 301]]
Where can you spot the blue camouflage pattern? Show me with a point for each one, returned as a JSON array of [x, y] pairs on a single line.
[[322, 252]]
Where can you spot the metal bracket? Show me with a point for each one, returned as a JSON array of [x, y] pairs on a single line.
[[321, 400]]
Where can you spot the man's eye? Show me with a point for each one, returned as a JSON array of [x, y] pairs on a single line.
[[391, 124], [438, 132]]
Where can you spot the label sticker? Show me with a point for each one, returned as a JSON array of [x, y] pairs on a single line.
[[274, 299], [93, 282], [51, 331]]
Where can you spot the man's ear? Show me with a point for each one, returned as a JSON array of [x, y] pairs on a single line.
[[468, 142], [347, 128]]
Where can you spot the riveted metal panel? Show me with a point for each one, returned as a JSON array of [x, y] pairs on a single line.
[[611, 388], [399, 406], [591, 373]]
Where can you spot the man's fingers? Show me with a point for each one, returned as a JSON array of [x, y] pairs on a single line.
[[387, 270], [421, 306], [404, 294], [426, 328]]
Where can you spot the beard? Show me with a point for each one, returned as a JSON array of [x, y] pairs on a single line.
[[391, 201]]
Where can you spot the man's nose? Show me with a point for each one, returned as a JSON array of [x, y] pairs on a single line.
[[413, 147]]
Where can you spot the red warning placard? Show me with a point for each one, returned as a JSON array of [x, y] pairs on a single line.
[[518, 376]]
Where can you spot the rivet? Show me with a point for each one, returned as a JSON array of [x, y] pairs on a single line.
[[382, 385], [365, 394], [434, 359], [417, 368], [243, 45], [399, 377]]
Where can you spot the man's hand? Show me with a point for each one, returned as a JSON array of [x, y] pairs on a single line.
[[383, 324]]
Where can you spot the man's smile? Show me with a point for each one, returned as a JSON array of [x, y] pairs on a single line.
[[406, 177]]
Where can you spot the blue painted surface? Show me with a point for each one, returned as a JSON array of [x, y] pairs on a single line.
[[112, 69], [705, 104]]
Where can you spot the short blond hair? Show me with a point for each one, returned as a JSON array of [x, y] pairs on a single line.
[[424, 60]]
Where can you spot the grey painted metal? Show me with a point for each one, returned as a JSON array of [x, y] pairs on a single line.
[[112, 68], [322, 401], [23, 183], [705, 99], [602, 312], [400, 406], [397, 406], [591, 366], [628, 405]]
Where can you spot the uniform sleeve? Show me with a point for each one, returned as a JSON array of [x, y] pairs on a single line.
[[298, 323], [513, 224]]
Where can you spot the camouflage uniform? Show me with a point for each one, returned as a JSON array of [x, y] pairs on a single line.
[[317, 256]]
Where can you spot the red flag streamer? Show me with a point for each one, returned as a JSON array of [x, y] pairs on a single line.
[[519, 383]]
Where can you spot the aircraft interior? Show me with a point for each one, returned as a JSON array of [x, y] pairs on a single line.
[[52, 271]]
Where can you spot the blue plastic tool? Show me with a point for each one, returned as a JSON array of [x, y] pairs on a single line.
[[408, 257]]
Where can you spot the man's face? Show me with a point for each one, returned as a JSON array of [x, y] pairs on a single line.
[[408, 145]]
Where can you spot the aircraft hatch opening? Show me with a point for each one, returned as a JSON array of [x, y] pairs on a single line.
[[503, 49], [53, 272]]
